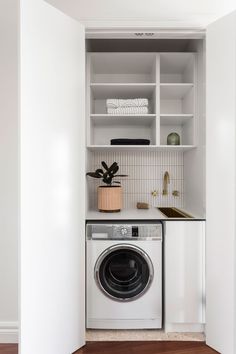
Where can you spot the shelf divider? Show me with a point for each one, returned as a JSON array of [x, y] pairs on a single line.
[[158, 102]]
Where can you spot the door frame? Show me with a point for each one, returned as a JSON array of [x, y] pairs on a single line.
[[103, 32]]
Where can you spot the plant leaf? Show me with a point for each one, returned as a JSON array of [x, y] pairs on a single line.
[[112, 167], [105, 175], [93, 174], [115, 169], [99, 171], [108, 175], [105, 165], [121, 176]]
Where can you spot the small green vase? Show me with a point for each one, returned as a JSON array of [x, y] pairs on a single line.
[[173, 139]]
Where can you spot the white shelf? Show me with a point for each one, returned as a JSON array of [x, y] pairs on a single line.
[[99, 115], [140, 147], [177, 147], [107, 119], [175, 119], [122, 90], [175, 90]]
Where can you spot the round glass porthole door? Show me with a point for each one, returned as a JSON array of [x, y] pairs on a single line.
[[124, 272]]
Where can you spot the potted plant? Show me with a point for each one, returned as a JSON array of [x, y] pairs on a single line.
[[110, 194]]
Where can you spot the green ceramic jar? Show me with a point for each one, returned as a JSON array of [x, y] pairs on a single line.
[[173, 139]]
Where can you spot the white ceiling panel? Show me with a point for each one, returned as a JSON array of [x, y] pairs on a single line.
[[163, 13]]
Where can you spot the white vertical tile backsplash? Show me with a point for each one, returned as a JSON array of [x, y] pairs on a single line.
[[145, 172]]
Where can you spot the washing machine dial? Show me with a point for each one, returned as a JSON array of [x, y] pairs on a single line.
[[124, 231]]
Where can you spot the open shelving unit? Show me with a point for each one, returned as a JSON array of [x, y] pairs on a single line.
[[167, 80]]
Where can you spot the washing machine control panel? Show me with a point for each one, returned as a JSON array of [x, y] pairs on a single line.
[[118, 231]]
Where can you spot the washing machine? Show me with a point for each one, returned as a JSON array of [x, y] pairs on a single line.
[[124, 275]]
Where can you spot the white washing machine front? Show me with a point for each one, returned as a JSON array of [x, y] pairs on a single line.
[[124, 284]]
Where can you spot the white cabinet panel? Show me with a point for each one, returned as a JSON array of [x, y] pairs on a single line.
[[52, 284], [184, 272], [220, 171]]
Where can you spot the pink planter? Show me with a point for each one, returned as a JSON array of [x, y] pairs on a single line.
[[110, 199]]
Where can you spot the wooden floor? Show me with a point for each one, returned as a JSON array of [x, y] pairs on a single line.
[[132, 348], [151, 347], [8, 348]]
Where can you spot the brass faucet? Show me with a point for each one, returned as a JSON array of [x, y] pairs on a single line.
[[166, 181]]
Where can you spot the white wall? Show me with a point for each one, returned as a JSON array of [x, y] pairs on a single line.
[[8, 170]]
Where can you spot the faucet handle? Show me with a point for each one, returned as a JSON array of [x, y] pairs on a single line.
[[154, 193]]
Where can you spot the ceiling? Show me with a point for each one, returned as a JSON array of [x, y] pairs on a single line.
[[166, 13]]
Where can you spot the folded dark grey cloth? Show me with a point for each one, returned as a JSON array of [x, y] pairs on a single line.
[[130, 142]]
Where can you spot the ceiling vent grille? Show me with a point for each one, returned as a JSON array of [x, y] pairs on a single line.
[[142, 34]]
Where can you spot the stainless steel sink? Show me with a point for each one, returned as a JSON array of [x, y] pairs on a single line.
[[174, 213]]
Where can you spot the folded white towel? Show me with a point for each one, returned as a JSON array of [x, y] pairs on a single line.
[[135, 102], [128, 110]]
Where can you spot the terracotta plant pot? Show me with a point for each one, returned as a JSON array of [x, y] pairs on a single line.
[[109, 199]]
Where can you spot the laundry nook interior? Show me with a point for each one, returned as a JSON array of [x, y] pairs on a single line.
[[139, 92]]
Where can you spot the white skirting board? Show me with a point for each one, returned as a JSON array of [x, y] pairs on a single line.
[[8, 332]]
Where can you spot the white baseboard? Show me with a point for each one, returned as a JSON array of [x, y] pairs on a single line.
[[8, 332]]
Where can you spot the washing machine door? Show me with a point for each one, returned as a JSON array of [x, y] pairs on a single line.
[[124, 272]]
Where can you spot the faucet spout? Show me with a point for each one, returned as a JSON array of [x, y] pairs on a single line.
[[166, 181]]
